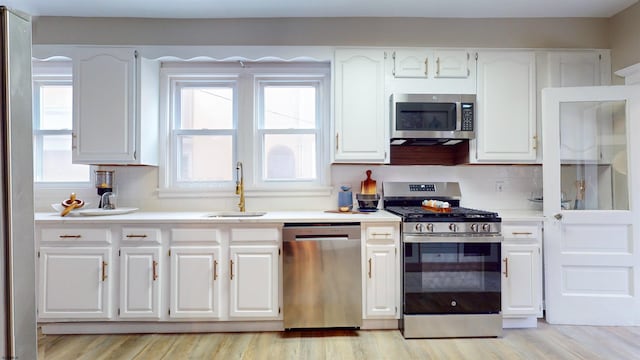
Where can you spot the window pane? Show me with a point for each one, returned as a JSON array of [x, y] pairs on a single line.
[[290, 157], [289, 107], [205, 158], [593, 154], [206, 108], [56, 107], [56, 161]]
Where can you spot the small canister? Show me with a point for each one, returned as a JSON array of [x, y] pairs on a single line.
[[345, 199]]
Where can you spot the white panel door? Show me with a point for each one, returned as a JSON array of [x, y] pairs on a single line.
[[592, 249], [506, 102], [381, 281], [103, 102], [195, 284], [253, 281], [521, 279], [140, 282], [75, 283], [451, 63]]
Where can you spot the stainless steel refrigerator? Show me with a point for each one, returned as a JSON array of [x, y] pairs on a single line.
[[17, 267]]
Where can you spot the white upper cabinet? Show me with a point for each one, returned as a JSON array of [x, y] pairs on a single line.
[[115, 101], [579, 68], [431, 71], [361, 124], [506, 103]]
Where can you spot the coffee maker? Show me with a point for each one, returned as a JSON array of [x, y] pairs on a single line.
[[104, 185]]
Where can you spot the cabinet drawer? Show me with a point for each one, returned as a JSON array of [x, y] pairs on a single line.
[[520, 231], [141, 234], [255, 234], [77, 234], [196, 235], [380, 233]]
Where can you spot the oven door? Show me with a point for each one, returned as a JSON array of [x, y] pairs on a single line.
[[452, 275]]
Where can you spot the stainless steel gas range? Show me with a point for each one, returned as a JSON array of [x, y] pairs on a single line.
[[451, 262]]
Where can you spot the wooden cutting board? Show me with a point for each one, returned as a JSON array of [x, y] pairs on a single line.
[[368, 186]]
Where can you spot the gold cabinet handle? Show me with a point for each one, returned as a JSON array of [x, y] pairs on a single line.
[[369, 268], [506, 267], [426, 67], [337, 143], [70, 236], [136, 236], [438, 67], [215, 269], [521, 233], [104, 270], [380, 234], [231, 269], [155, 270]]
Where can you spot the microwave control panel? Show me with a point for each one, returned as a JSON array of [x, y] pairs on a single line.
[[467, 117]]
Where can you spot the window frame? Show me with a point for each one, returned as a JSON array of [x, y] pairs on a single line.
[[247, 125], [57, 73], [317, 81]]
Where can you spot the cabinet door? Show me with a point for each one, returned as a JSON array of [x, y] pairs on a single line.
[[253, 275], [195, 284], [451, 64], [103, 102], [361, 124], [579, 125], [75, 283], [411, 63], [521, 271], [140, 282], [506, 103], [381, 281]]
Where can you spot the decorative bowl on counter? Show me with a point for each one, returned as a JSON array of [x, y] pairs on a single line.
[[368, 202]]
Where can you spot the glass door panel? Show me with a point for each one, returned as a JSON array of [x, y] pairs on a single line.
[[593, 159]]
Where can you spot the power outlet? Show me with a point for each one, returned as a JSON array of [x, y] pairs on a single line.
[[499, 186]]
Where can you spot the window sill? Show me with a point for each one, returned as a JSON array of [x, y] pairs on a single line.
[[317, 191]]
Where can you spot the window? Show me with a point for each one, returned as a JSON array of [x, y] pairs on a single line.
[[270, 117], [52, 126]]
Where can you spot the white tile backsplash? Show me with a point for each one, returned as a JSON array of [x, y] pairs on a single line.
[[136, 186]]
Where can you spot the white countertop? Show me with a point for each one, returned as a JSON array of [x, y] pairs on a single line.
[[520, 215], [201, 217]]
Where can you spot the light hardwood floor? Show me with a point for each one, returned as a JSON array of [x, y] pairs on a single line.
[[545, 342]]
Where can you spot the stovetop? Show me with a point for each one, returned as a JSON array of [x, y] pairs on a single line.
[[456, 214]]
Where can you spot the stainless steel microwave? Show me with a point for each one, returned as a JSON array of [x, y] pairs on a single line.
[[432, 118]]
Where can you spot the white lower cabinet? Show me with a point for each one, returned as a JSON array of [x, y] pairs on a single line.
[[381, 280], [195, 284], [253, 281], [74, 282], [381, 271], [522, 273], [140, 282]]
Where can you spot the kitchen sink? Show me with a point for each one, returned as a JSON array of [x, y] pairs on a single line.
[[225, 214]]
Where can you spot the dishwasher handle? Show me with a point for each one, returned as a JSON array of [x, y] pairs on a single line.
[[321, 233], [320, 238]]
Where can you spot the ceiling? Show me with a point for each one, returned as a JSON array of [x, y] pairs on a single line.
[[321, 8]]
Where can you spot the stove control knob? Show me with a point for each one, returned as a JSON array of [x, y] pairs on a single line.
[[430, 227], [453, 227], [474, 227], [420, 228], [486, 227]]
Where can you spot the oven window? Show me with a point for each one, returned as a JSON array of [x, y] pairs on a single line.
[[426, 116], [452, 278]]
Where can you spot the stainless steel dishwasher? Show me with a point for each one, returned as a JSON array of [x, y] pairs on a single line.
[[322, 275]]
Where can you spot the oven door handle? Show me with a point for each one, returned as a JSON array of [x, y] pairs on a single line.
[[407, 238]]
